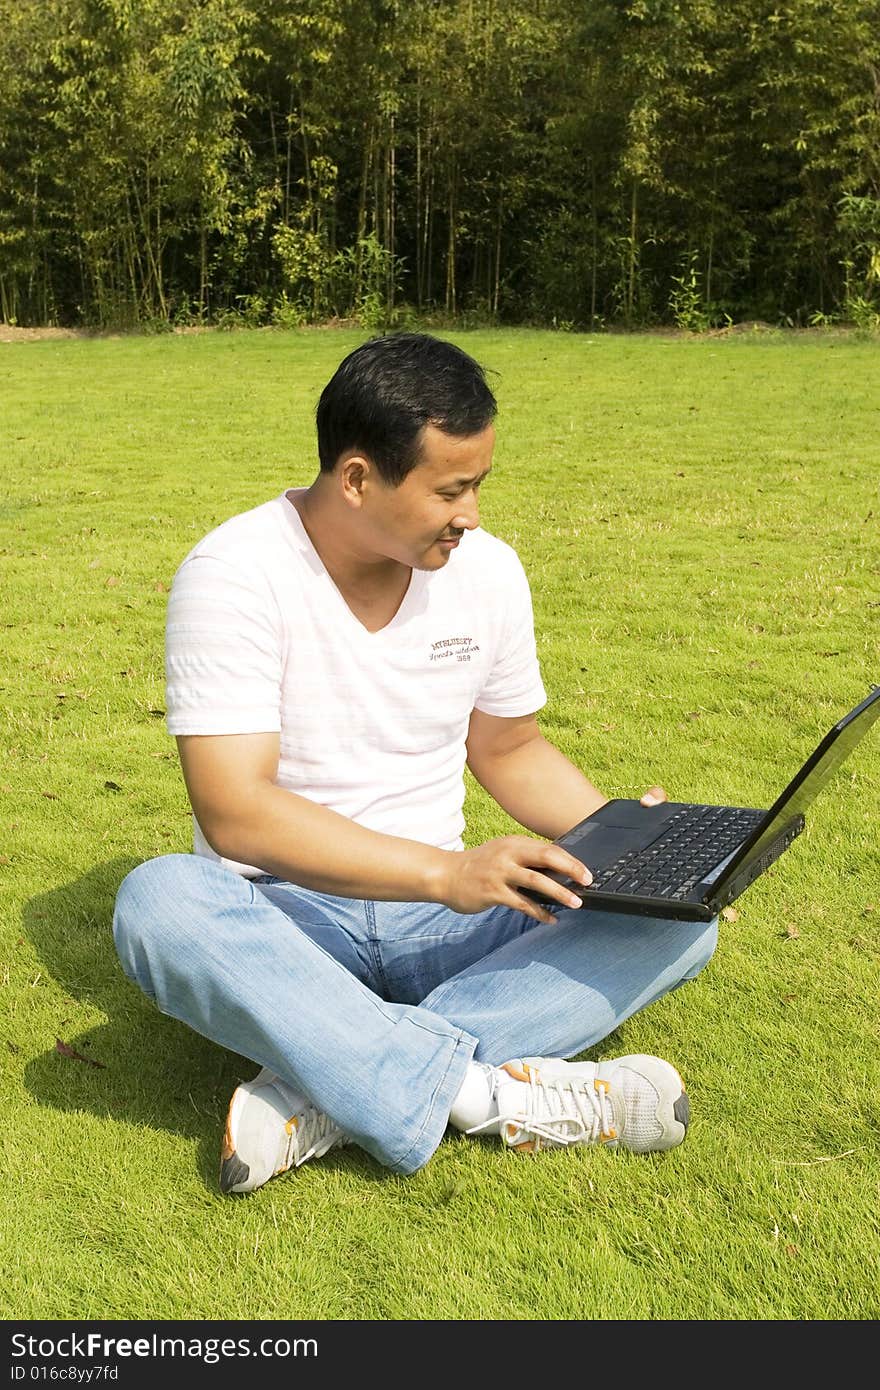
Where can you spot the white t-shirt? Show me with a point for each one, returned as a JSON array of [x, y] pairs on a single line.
[[373, 725]]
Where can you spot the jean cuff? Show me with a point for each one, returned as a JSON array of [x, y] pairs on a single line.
[[436, 1118]]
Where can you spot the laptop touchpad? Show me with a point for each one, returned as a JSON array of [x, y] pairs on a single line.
[[632, 815], [615, 828], [598, 845]]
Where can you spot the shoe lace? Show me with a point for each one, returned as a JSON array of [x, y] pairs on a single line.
[[564, 1111], [310, 1134]]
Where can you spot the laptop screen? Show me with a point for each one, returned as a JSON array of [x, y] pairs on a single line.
[[819, 768]]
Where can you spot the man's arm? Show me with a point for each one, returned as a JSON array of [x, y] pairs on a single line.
[[245, 816], [529, 778]]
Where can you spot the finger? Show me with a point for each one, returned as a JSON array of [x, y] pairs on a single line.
[[532, 909], [579, 872], [654, 796], [548, 888], [550, 856]]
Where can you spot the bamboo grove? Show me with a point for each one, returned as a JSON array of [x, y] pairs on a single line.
[[586, 163]]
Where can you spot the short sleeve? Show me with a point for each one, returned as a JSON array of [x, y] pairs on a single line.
[[223, 651], [513, 685]]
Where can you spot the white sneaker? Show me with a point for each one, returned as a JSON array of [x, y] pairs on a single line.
[[270, 1128], [637, 1103]]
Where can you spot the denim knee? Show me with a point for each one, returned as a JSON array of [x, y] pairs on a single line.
[[143, 910], [703, 950], [148, 883]]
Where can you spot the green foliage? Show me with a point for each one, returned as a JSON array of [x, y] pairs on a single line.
[[286, 313], [251, 311], [864, 313], [354, 283], [860, 218], [686, 303], [368, 270], [551, 163], [307, 268]]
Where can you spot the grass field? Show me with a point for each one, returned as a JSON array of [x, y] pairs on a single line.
[[699, 519]]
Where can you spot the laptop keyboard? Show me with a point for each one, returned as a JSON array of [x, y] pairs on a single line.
[[695, 840]]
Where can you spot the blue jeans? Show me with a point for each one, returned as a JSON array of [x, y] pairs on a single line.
[[374, 1009]]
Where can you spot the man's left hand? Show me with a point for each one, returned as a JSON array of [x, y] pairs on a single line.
[[653, 796]]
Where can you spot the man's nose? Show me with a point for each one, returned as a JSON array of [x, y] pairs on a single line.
[[468, 516]]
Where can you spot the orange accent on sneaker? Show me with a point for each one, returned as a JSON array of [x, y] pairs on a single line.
[[227, 1148], [602, 1087], [515, 1071], [292, 1124], [528, 1146]]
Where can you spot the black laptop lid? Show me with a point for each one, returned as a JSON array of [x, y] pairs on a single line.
[[819, 768]]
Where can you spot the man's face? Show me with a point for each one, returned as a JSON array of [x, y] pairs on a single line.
[[420, 522]]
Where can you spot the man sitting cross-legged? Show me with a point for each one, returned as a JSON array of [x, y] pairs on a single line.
[[335, 657]]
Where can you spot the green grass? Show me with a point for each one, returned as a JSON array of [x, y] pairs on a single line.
[[699, 520]]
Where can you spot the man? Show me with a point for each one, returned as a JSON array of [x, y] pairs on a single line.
[[334, 657]]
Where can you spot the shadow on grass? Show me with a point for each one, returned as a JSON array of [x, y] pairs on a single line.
[[141, 1067]]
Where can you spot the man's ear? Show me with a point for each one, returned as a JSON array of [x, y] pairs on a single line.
[[355, 473]]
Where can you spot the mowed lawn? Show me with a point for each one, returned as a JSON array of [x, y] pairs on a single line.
[[699, 519]]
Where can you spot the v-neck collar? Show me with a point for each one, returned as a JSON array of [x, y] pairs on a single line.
[[303, 541]]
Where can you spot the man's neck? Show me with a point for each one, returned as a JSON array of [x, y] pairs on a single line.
[[374, 578]]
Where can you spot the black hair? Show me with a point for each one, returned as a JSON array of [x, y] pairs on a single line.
[[382, 395]]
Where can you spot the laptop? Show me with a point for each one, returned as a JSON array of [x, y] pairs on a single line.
[[688, 861]]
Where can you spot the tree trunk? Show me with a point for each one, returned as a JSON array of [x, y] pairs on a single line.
[[428, 292], [711, 246], [288, 156], [307, 166], [203, 264], [631, 275], [496, 297], [392, 217], [450, 246], [419, 209], [595, 268], [362, 216]]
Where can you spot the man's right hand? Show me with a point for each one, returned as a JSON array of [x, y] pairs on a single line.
[[492, 875]]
